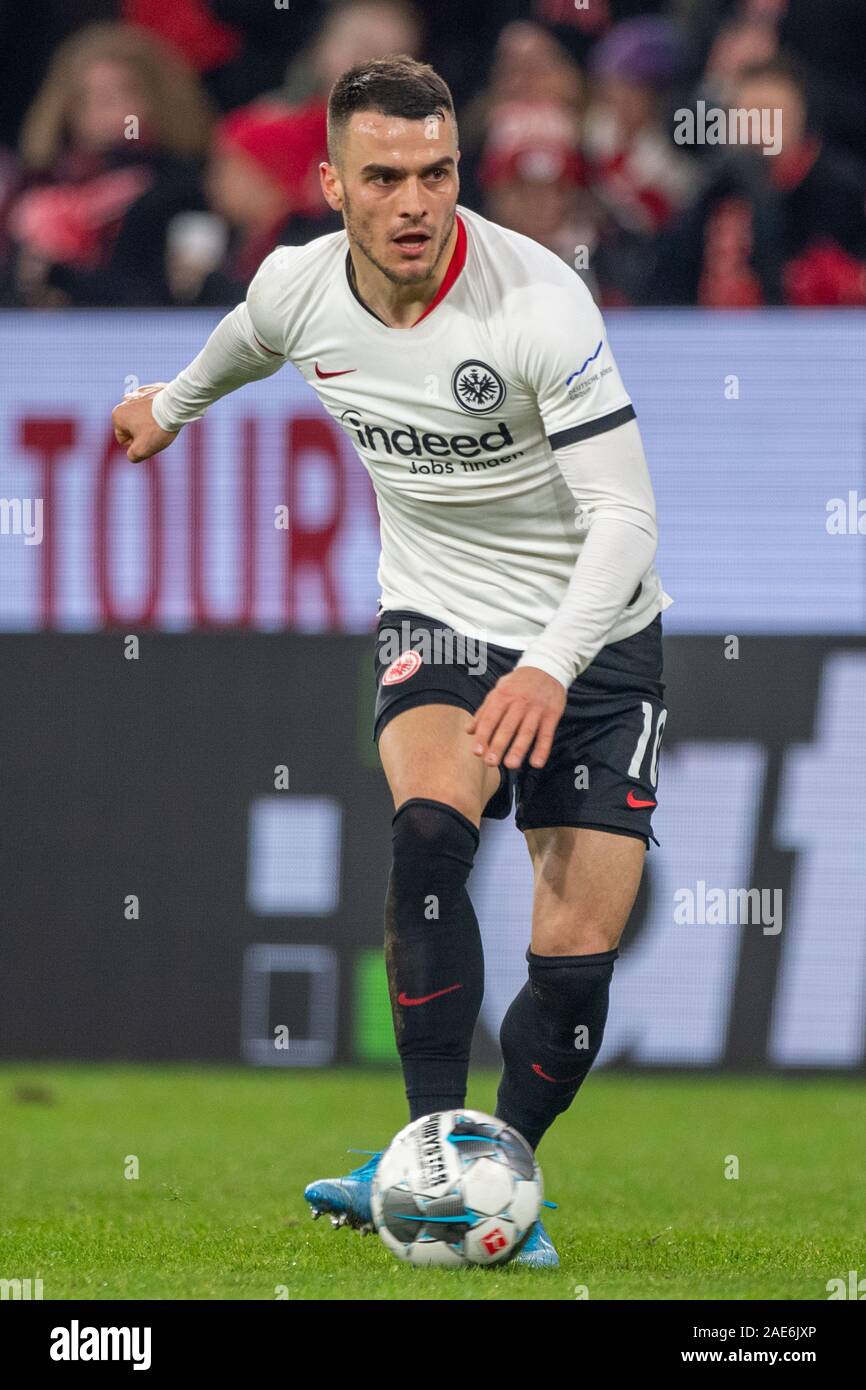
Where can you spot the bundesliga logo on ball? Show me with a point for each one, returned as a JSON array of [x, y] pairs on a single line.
[[456, 1188]]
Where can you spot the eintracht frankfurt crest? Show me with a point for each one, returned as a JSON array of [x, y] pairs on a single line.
[[477, 387]]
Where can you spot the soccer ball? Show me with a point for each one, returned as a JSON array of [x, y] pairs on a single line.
[[456, 1188]]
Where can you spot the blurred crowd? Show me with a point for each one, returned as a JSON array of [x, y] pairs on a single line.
[[152, 152]]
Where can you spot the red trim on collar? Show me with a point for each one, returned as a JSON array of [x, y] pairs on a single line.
[[455, 265]]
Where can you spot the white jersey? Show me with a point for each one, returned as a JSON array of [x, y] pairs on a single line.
[[458, 420]]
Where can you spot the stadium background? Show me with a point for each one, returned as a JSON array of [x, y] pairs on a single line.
[[165, 649]]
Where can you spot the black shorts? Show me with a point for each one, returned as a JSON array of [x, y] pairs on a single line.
[[602, 769]]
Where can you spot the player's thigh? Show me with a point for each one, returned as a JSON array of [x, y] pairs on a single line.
[[426, 751], [585, 884]]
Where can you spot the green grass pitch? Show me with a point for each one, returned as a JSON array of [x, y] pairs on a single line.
[[637, 1167]]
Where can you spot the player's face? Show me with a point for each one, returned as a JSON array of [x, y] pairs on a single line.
[[397, 189]]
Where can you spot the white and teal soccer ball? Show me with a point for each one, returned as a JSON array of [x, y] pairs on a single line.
[[456, 1188]]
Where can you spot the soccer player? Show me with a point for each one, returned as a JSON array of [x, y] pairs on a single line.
[[470, 368]]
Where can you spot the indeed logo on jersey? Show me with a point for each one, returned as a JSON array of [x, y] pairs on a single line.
[[407, 442]]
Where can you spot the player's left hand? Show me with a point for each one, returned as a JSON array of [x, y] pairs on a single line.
[[524, 707]]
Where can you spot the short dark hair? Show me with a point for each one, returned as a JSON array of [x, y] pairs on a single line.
[[394, 86]]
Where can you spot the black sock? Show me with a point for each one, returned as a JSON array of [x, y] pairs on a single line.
[[550, 1037], [433, 948]]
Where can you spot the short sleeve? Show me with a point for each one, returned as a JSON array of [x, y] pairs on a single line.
[[565, 360]]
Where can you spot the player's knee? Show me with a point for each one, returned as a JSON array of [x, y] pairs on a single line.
[[561, 984], [570, 995], [434, 846], [571, 933]]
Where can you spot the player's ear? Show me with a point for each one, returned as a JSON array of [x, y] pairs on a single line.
[[332, 187]]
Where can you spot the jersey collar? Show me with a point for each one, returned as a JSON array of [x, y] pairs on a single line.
[[455, 265]]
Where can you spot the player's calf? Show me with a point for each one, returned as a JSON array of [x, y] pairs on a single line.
[[433, 951], [550, 1036]]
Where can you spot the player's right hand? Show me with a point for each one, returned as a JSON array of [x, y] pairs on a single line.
[[135, 427]]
